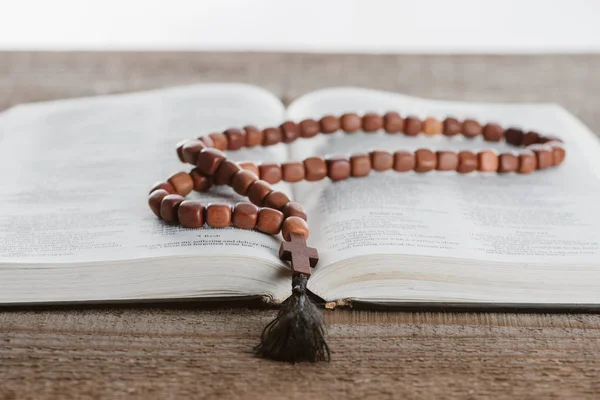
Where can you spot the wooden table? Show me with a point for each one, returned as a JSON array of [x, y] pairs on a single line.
[[174, 351]]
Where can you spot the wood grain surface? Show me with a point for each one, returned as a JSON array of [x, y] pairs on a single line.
[[203, 350]]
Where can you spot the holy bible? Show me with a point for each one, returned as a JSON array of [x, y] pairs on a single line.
[[75, 226]]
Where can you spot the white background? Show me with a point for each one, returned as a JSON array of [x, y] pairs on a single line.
[[444, 26]]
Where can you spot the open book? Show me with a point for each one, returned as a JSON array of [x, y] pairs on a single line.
[[75, 225]]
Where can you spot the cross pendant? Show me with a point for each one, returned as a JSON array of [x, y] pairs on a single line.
[[299, 254]]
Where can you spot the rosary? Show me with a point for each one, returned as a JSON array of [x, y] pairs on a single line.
[[297, 332]]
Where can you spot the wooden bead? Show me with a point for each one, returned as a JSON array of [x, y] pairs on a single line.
[[543, 155], [393, 122], [488, 161], [254, 136], [169, 206], [250, 166], [329, 124], [447, 161], [166, 186], [245, 215], [372, 122], [272, 136], [350, 122], [338, 168], [360, 165], [242, 180], [432, 126], [426, 160], [381, 160], [207, 141], [471, 128], [276, 200], [558, 155], [292, 171], [258, 191], [530, 138], [508, 162], [201, 182], [527, 162], [493, 132], [182, 183], [218, 215], [209, 161], [191, 214], [236, 138], [219, 141], [290, 131], [224, 175], [155, 199], [452, 127], [467, 162], [412, 126], [514, 136], [293, 209], [269, 221], [191, 149], [270, 172], [179, 149], [315, 169], [404, 161], [294, 225], [309, 128]]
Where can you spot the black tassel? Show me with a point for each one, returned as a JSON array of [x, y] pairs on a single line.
[[298, 333]]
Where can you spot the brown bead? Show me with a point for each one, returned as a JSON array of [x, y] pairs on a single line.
[[508, 163], [467, 162], [191, 214], [236, 138], [224, 175], [269, 221], [452, 126], [270, 172], [372, 122], [527, 162], [309, 128], [350, 122], [432, 126], [330, 124], [258, 191], [543, 155], [182, 182], [530, 138], [169, 206], [338, 168], [201, 182], [447, 161], [245, 215], [426, 160], [393, 122], [471, 128], [207, 141], [166, 186], [209, 160], [179, 149], [558, 155], [155, 199], [290, 131], [276, 200], [404, 161], [488, 161], [250, 166], [292, 171], [412, 126], [242, 180], [382, 160], [360, 165], [493, 132], [218, 215], [254, 136], [219, 141], [315, 169], [514, 136], [294, 225], [272, 136], [191, 150], [293, 209]]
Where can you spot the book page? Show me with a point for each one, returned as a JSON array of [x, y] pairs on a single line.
[[549, 216], [76, 174]]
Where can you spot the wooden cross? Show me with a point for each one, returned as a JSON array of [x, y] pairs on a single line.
[[299, 254]]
